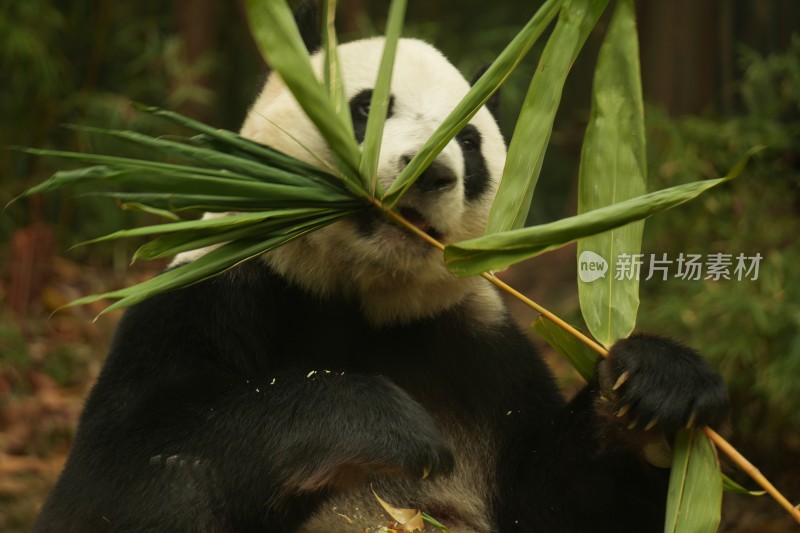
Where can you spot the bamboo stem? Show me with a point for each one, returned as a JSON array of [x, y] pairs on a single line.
[[723, 445], [751, 470], [502, 285]]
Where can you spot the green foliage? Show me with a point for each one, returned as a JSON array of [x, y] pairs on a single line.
[[749, 329], [613, 169], [83, 62], [695, 485], [499, 250], [576, 20], [370, 151], [582, 358]]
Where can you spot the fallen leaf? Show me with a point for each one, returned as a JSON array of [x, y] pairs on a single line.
[[409, 520]]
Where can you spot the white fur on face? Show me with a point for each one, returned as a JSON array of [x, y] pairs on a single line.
[[395, 275]]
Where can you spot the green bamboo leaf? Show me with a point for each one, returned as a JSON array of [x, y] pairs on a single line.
[[581, 356], [535, 123], [274, 29], [729, 485], [695, 486], [189, 183], [165, 179], [107, 168], [478, 95], [613, 168], [379, 104], [71, 178], [332, 68], [170, 245], [214, 224], [222, 163], [230, 142], [498, 251], [207, 266], [218, 203], [435, 523]]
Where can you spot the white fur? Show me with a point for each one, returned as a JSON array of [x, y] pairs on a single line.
[[396, 276]]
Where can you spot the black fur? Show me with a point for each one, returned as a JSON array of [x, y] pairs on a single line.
[[359, 111], [476, 176], [242, 403]]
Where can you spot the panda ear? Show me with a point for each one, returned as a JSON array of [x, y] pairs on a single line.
[[493, 104], [308, 22]]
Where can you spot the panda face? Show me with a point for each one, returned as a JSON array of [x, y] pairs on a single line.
[[366, 255]]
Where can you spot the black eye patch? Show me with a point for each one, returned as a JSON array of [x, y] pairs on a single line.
[[476, 176], [359, 111]]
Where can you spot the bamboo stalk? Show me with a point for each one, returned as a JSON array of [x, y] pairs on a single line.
[[751, 470], [723, 445]]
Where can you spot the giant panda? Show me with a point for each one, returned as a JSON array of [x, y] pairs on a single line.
[[276, 397]]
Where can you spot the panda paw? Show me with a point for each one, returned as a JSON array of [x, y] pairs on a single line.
[[408, 441], [653, 384], [423, 454], [380, 430]]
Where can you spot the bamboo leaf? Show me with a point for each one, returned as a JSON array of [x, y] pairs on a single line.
[[218, 162], [498, 251], [581, 356], [379, 104], [108, 168], [161, 182], [170, 245], [332, 70], [213, 224], [217, 203], [478, 95], [729, 485], [332, 76], [230, 142], [207, 266], [274, 29], [695, 486], [613, 168], [535, 123], [139, 174]]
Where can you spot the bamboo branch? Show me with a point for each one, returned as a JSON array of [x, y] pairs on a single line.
[[715, 437]]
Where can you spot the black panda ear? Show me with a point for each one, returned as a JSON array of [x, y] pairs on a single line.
[[493, 104], [308, 22]]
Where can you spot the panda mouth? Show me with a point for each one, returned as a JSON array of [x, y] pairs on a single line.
[[416, 219]]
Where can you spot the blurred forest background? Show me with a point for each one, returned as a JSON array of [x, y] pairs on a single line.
[[719, 76]]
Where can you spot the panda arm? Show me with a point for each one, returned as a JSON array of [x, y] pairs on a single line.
[[206, 376], [328, 432], [593, 470]]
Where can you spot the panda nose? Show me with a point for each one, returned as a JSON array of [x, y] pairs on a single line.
[[436, 178]]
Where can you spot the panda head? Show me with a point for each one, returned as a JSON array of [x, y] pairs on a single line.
[[395, 275]]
